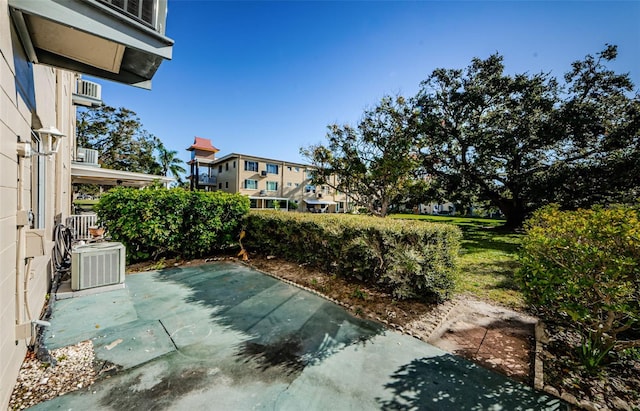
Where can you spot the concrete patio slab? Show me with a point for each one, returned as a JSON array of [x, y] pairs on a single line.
[[225, 337]]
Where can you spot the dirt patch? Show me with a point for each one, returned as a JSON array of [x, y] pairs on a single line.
[[494, 337]]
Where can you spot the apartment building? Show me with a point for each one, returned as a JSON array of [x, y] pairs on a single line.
[[43, 45], [267, 182]]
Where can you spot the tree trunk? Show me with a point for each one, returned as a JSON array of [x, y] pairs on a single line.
[[384, 207], [513, 211]]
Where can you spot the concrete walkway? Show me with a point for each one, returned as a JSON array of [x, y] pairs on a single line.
[[224, 337]]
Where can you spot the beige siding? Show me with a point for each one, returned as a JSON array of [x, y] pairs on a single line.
[[12, 122], [54, 108]]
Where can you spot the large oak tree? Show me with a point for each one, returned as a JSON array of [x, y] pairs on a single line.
[[520, 141]]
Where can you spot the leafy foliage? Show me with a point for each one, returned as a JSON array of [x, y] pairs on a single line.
[[154, 223], [124, 144], [481, 136], [585, 265], [521, 141], [170, 163], [409, 260], [373, 163]]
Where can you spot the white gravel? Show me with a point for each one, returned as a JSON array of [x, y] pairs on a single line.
[[38, 382]]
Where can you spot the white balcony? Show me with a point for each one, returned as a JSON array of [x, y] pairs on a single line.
[[119, 40], [87, 93], [206, 180], [87, 156]]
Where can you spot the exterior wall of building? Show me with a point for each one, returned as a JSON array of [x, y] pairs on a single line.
[[31, 97], [257, 177], [226, 173]]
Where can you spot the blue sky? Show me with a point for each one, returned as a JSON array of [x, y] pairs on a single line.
[[266, 78]]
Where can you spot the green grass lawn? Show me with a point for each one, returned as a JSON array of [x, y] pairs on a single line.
[[488, 258]]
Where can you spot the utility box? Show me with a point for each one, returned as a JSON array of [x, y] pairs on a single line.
[[35, 243]]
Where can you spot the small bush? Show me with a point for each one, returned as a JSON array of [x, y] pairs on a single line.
[[155, 223], [585, 266], [408, 259]]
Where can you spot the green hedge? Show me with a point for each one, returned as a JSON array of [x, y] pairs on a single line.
[[584, 266], [408, 259], [154, 223]]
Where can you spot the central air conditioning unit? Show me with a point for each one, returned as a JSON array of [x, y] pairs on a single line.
[[97, 265]]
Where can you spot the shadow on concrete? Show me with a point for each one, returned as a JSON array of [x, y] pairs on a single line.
[[437, 383], [288, 328]]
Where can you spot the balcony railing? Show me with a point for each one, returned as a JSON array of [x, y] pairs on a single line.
[[87, 156], [118, 40], [204, 179], [151, 12], [87, 93], [80, 223]]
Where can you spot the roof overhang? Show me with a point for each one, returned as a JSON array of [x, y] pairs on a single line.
[[83, 174], [318, 202], [93, 37]]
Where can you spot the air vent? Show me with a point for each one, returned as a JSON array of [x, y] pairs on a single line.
[[97, 265]]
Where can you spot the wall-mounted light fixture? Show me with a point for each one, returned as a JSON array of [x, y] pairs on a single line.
[[51, 137]]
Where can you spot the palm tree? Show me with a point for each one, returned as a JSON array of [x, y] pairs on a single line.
[[170, 163]]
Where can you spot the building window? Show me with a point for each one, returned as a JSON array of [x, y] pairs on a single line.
[[309, 189], [272, 168], [234, 163], [250, 166], [297, 169], [220, 186], [226, 184], [289, 168], [251, 184], [289, 184], [253, 203], [297, 184], [272, 186], [309, 174], [226, 166], [220, 168]]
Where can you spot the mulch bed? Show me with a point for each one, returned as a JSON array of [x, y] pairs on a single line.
[[616, 385]]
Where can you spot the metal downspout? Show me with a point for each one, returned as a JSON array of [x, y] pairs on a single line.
[[20, 241]]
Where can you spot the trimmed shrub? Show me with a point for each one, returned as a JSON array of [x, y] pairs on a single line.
[[584, 266], [154, 223], [407, 259]]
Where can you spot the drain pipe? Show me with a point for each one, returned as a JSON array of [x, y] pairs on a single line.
[[27, 274], [24, 151]]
